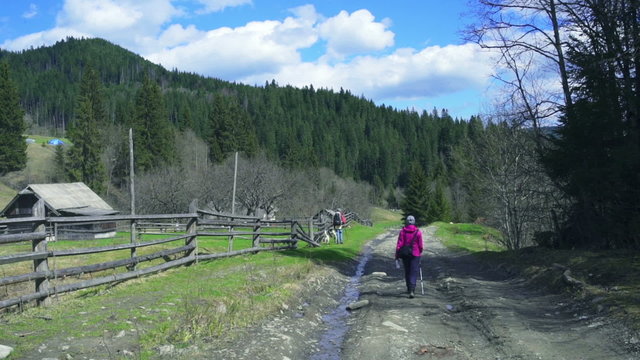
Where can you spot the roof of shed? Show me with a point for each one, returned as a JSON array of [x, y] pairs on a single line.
[[68, 195], [73, 198]]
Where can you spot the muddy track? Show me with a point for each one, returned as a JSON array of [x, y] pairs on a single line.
[[468, 311]]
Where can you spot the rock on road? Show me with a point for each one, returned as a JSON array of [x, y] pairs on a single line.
[[469, 312]]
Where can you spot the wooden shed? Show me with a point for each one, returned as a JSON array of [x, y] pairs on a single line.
[[65, 199]]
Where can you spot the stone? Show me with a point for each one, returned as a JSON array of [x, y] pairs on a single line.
[[394, 326], [166, 349], [5, 351], [357, 304]]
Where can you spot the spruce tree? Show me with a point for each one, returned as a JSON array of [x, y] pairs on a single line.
[[153, 140], [83, 160], [441, 207], [417, 197], [60, 174], [13, 148], [230, 130]]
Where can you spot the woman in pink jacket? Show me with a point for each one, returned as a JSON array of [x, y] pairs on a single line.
[[410, 235]]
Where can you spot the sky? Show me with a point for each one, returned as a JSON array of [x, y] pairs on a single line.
[[408, 54]]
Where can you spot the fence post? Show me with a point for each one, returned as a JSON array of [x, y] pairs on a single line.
[[294, 234], [256, 235], [192, 231], [134, 250], [37, 245], [231, 229], [311, 228]]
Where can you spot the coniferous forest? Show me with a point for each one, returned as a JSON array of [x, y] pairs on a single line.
[[570, 184], [298, 128]]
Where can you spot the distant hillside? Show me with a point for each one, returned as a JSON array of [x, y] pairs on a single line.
[[299, 127], [39, 169]]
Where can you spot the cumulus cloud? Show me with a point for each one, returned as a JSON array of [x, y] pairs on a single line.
[[239, 52], [348, 34], [404, 74], [42, 38]]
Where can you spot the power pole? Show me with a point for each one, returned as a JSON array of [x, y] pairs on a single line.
[[235, 176]]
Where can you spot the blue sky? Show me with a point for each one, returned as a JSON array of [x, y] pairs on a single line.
[[403, 53]]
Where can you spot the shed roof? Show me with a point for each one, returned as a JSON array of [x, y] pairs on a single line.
[[68, 195], [75, 198]]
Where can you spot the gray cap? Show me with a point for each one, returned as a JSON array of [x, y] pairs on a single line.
[[411, 220]]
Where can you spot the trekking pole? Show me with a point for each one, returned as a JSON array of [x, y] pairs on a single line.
[[421, 284]]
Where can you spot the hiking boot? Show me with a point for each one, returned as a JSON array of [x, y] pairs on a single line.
[[411, 294]]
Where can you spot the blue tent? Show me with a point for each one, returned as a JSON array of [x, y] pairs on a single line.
[[55, 142]]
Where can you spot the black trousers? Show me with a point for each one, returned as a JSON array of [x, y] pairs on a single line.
[[411, 269]]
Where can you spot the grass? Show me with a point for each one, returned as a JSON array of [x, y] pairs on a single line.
[[611, 276], [469, 237], [39, 169], [185, 305], [6, 195]]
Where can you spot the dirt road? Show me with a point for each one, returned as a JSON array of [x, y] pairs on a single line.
[[468, 311]]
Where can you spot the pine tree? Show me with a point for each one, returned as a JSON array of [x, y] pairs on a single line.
[[83, 161], [153, 139], [230, 130], [91, 88], [60, 174], [441, 208], [13, 148], [417, 197]]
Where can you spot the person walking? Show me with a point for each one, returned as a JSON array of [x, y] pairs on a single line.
[[338, 221], [409, 248]]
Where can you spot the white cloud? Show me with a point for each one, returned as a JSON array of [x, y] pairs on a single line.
[[42, 38], [235, 53], [33, 11], [405, 74], [133, 24], [219, 5], [356, 33], [176, 35]]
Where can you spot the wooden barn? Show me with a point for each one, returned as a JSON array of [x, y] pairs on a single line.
[[67, 199]]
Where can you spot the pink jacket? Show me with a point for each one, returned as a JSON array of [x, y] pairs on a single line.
[[406, 235]]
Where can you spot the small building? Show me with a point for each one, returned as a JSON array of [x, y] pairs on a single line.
[[66, 199]]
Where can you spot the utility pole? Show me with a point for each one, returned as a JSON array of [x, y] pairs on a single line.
[[131, 174], [235, 176]]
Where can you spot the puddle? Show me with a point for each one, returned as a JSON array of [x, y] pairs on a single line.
[[330, 345]]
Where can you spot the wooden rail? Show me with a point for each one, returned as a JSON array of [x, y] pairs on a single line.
[[180, 231]]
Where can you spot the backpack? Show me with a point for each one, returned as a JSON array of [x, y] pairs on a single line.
[[406, 250], [337, 219]]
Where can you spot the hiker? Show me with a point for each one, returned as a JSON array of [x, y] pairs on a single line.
[[409, 248], [338, 221]]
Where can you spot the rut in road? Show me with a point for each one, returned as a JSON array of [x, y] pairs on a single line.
[[469, 311]]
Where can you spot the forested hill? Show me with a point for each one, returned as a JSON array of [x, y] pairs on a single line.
[[300, 127]]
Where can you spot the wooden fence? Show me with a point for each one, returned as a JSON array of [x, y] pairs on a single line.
[[150, 244]]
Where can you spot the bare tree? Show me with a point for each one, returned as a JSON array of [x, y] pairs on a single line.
[[529, 38], [515, 191]]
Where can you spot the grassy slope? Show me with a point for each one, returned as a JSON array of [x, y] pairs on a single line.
[[39, 169], [612, 277], [202, 301]]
